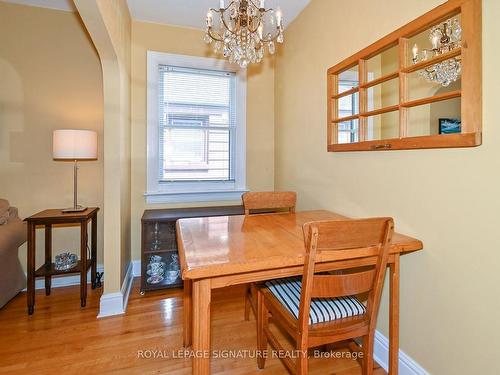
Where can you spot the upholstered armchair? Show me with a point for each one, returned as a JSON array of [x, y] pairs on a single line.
[[12, 235]]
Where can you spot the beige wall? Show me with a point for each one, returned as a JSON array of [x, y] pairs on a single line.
[[109, 25], [260, 113], [448, 198], [50, 78]]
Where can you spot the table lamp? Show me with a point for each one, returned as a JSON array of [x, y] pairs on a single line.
[[74, 145]]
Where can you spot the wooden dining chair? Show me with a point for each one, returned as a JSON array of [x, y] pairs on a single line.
[[269, 201], [320, 309], [264, 202]]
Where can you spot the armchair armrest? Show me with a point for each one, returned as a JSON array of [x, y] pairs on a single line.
[[13, 213], [12, 235]]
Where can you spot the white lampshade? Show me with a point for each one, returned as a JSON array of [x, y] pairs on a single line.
[[74, 144]]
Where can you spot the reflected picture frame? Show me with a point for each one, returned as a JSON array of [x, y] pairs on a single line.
[[450, 126]]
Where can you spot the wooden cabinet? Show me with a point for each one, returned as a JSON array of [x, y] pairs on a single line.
[[159, 257]]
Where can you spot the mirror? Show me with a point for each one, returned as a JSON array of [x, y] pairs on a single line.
[[443, 117], [435, 40], [420, 88], [348, 79], [384, 126], [348, 105], [382, 64], [348, 131], [412, 86], [383, 95]]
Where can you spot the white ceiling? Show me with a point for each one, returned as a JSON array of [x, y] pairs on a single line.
[[192, 13], [188, 13]]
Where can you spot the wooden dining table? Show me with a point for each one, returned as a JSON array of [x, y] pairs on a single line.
[[217, 252]]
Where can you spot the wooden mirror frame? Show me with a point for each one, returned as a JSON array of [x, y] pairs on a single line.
[[470, 92]]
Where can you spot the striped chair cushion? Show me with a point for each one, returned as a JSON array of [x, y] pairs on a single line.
[[287, 291]]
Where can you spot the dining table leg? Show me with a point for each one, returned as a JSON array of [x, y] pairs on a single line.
[[201, 326], [394, 317], [188, 313]]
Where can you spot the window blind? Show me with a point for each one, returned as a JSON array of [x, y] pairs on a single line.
[[197, 124]]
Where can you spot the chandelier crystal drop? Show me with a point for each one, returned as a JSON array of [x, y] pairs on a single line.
[[444, 38], [243, 30]]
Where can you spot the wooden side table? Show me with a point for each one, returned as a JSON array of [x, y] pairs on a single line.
[[55, 216]]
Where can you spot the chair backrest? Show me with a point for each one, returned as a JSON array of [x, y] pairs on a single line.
[[269, 200], [345, 235]]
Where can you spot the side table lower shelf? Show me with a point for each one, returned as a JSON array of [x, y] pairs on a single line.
[[50, 269]]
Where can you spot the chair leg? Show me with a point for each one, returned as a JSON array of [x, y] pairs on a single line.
[[262, 322], [302, 359], [247, 303], [368, 342]]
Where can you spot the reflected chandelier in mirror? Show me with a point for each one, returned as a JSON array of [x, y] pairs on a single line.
[[444, 38]]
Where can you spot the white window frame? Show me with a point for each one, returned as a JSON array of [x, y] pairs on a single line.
[[197, 191]]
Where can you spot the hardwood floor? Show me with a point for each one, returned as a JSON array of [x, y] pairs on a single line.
[[62, 338]]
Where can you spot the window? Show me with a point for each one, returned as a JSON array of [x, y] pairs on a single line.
[[197, 124], [196, 129]]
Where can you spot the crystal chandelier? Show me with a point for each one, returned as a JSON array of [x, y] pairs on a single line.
[[444, 38], [241, 32]]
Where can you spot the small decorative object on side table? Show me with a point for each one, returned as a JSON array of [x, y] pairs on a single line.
[[55, 216], [66, 261]]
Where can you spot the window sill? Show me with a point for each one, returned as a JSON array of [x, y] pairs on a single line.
[[195, 196]]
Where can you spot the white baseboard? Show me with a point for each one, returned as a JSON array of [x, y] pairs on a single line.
[[127, 285], [111, 304], [116, 303], [136, 268], [407, 366], [62, 281]]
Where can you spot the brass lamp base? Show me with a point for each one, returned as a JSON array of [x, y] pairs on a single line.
[[74, 209]]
